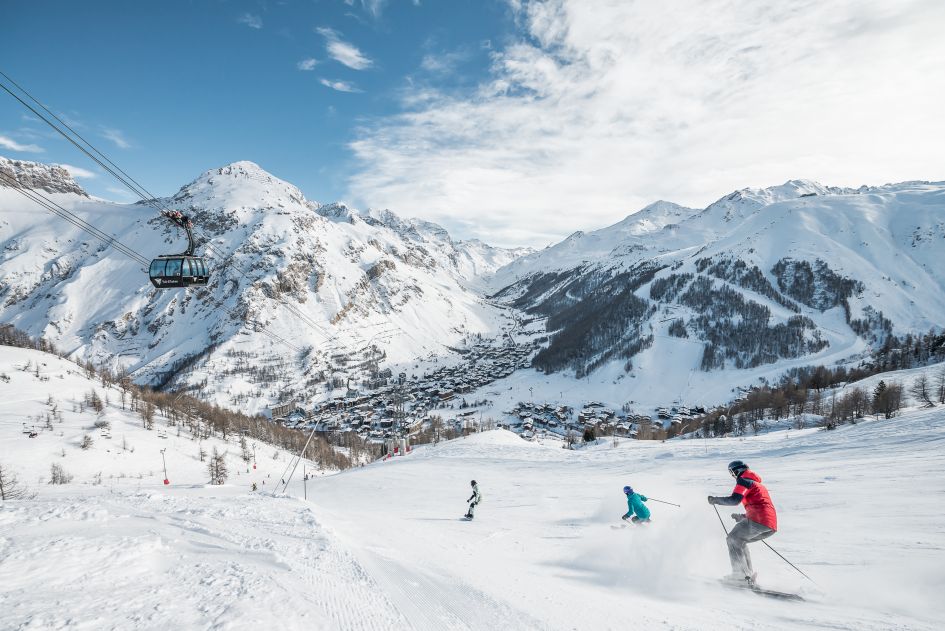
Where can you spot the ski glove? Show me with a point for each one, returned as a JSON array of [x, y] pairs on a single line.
[[739, 516], [712, 500]]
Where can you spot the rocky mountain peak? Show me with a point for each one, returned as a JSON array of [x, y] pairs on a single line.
[[336, 211], [46, 177], [239, 185]]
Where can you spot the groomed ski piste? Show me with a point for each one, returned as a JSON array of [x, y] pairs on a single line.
[[383, 546]]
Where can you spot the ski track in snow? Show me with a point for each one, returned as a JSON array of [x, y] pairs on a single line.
[[556, 563], [193, 561]]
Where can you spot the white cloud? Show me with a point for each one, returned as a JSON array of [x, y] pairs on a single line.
[[79, 172], [374, 7], [117, 137], [307, 64], [8, 143], [341, 86], [343, 52], [250, 20], [443, 63], [602, 106]]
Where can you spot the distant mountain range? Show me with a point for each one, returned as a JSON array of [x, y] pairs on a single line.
[[799, 272], [343, 286], [761, 280]]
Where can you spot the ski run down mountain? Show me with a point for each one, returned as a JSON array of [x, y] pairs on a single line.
[[671, 303], [382, 547]]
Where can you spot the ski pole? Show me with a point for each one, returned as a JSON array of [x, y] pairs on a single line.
[[788, 562], [663, 502], [722, 522], [719, 515]]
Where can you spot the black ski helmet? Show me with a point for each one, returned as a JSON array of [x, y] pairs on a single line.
[[472, 483], [737, 467]]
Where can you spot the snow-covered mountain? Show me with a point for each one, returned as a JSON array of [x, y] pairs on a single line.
[[675, 298], [348, 289], [795, 274], [474, 260]]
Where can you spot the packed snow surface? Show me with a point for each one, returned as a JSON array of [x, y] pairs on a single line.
[[383, 546]]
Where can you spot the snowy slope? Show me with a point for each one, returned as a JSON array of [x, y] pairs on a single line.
[[333, 282], [126, 456], [382, 546]]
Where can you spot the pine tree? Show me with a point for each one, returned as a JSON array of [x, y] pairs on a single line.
[[921, 389], [940, 385], [217, 467], [147, 415], [879, 392], [246, 454], [58, 474], [10, 487], [887, 399]]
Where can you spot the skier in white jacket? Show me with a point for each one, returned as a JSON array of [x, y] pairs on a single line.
[[474, 499]]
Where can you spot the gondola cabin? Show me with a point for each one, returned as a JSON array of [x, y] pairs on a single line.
[[179, 270], [174, 270]]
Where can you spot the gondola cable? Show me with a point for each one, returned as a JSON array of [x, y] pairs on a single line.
[[133, 185], [115, 243], [74, 219], [141, 191]]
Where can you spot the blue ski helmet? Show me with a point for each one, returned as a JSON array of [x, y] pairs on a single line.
[[628, 490]]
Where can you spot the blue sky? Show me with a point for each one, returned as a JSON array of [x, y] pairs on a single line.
[[171, 89], [515, 121]]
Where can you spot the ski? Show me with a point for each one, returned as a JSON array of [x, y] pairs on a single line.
[[770, 593]]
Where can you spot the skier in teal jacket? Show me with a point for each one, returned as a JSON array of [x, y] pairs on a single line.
[[637, 512]]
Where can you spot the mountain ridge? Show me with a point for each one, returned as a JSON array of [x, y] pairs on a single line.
[[347, 292], [799, 272], [759, 281]]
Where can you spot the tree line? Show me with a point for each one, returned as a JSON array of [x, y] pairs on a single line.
[[202, 419], [823, 391]]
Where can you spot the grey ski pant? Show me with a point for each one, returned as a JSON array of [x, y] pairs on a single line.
[[745, 532], [472, 508]]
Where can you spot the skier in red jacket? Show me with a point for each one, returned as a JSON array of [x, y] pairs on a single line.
[[760, 520]]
